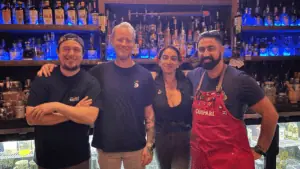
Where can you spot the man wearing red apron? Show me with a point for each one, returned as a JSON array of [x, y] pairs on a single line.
[[219, 138]]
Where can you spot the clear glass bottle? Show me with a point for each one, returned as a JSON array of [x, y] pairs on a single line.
[[33, 14], [82, 14], [276, 17], [20, 13], [72, 16], [6, 13], [268, 21], [39, 53], [284, 18], [47, 13], [270, 91], [59, 13], [274, 48], [94, 14], [14, 53], [92, 52]]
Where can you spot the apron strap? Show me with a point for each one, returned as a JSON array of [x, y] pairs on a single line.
[[219, 87]]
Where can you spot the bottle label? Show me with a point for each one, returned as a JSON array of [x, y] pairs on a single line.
[[92, 54], [33, 16], [82, 14], [6, 16], [72, 17], [47, 15], [59, 17], [19, 17], [95, 18], [14, 55]]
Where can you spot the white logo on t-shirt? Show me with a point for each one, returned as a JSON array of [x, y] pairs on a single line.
[[74, 99]]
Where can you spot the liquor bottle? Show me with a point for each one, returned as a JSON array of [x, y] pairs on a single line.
[[94, 14], [153, 38], [59, 13], [268, 21], [288, 47], [244, 17], [263, 49], [258, 17], [274, 48], [72, 16], [167, 36], [203, 25], [297, 47], [38, 50], [53, 46], [227, 46], [190, 43], [276, 17], [293, 21], [92, 52], [19, 13], [14, 53], [238, 21], [47, 13], [20, 47], [284, 18], [160, 37], [102, 22], [175, 41], [217, 21], [196, 35], [26, 90], [13, 11], [28, 52], [110, 52], [255, 47], [82, 14], [6, 13], [250, 19], [33, 14], [182, 46], [3, 53]]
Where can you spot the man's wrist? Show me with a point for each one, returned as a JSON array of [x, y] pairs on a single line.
[[258, 149]]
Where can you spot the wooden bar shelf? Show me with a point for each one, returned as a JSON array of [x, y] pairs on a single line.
[[49, 28]]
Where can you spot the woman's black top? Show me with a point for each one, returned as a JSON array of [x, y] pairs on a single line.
[[173, 119]]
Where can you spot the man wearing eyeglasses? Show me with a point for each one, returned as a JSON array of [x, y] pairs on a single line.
[[60, 112], [221, 92]]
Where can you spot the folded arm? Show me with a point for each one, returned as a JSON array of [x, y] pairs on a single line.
[[82, 115], [47, 120]]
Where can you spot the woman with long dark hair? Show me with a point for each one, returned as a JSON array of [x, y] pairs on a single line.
[[172, 107]]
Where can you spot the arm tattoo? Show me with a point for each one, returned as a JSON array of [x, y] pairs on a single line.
[[150, 128]]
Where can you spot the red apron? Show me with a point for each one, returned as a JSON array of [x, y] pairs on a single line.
[[218, 140]]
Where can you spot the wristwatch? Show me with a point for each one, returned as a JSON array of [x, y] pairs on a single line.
[[259, 150]]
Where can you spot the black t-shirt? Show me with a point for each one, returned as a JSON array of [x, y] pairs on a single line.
[[173, 119], [65, 144], [125, 94], [241, 90]]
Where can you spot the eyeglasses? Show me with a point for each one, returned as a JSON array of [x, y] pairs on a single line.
[[67, 49], [208, 48]]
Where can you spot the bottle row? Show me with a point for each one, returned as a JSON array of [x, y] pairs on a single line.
[[13, 98], [17, 12], [271, 46], [156, 32], [281, 91], [278, 15], [38, 49]]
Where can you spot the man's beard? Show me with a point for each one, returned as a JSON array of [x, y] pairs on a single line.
[[210, 65], [70, 69]]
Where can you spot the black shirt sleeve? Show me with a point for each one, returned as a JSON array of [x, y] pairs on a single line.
[[93, 92], [250, 92], [150, 90], [38, 93]]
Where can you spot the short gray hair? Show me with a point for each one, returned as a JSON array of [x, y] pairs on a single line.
[[124, 25]]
